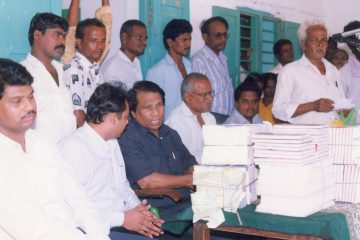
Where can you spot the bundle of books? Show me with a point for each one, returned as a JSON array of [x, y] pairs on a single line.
[[344, 152], [296, 178]]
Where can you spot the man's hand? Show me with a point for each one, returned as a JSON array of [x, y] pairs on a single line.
[[323, 105], [141, 220]]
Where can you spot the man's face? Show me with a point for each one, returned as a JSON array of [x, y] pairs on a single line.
[[314, 46], [181, 45], [149, 110], [340, 59], [200, 98], [121, 122], [93, 43], [17, 109], [51, 42], [269, 90], [247, 104], [135, 41], [217, 36], [286, 54]]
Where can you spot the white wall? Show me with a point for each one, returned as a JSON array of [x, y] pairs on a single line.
[[335, 13]]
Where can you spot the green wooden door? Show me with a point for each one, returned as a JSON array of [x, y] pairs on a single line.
[[15, 16], [289, 31], [156, 14], [232, 49]]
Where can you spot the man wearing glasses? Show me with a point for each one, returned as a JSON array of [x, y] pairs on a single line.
[[189, 117], [246, 96], [212, 62]]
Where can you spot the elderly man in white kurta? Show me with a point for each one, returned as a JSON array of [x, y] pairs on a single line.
[[307, 88], [189, 117], [55, 117]]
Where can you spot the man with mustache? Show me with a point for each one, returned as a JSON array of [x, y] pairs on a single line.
[[306, 89], [170, 71], [55, 113], [124, 66], [193, 112], [212, 62], [39, 199], [81, 74], [154, 154], [246, 97]]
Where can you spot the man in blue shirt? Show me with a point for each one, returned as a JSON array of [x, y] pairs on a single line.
[[246, 96], [170, 71], [154, 154]]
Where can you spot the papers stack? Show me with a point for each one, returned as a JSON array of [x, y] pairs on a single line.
[[344, 152], [295, 176]]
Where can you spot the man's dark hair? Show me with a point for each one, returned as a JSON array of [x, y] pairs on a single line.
[[129, 24], [246, 87], [253, 77], [44, 21], [279, 44], [175, 28], [266, 77], [352, 26], [107, 98], [143, 86], [205, 26], [80, 28], [186, 85], [13, 74]]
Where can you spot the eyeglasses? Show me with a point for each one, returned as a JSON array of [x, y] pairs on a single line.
[[314, 41], [205, 94], [219, 35]]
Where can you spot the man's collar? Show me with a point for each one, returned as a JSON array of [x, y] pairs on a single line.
[[124, 57], [144, 130], [84, 61]]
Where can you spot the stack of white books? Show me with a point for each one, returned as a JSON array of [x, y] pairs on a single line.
[[344, 152], [295, 176]]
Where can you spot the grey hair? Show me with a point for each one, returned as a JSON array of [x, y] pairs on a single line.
[[187, 83], [302, 31]]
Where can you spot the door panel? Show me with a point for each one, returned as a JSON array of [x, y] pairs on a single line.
[[289, 31]]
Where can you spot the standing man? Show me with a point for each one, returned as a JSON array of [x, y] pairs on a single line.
[[55, 117], [284, 53], [247, 96], [350, 73], [81, 74], [39, 199], [189, 117], [154, 154], [94, 145], [170, 71], [306, 89], [212, 62], [124, 66]]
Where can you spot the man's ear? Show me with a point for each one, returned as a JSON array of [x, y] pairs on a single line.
[[169, 42], [123, 38], [78, 43], [205, 37], [133, 114], [302, 43], [37, 34]]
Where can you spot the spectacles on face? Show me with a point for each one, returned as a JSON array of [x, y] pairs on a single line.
[[205, 94], [219, 35], [249, 102], [314, 41]]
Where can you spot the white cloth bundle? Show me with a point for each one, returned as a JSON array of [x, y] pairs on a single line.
[[227, 155]]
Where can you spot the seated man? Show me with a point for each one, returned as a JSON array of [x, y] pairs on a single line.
[[154, 154], [246, 96], [188, 118], [94, 145], [38, 200]]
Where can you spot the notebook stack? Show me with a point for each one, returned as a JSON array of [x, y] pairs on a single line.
[[344, 152], [295, 176]]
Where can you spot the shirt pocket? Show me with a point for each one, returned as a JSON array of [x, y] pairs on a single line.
[[175, 162]]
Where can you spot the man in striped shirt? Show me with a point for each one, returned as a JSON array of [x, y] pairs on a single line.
[[212, 62]]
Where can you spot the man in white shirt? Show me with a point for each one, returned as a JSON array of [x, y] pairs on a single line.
[[306, 89], [94, 145], [124, 66], [55, 117], [284, 53], [170, 71], [39, 199], [81, 74], [189, 117]]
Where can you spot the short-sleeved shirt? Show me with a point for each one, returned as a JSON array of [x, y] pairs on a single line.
[[81, 78], [238, 118]]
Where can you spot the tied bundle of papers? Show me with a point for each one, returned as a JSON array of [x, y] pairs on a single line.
[[294, 170], [344, 152]]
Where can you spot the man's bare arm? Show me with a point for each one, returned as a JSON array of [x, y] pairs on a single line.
[[73, 13], [159, 180], [320, 105]]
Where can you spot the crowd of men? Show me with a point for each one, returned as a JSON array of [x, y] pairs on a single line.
[[76, 139]]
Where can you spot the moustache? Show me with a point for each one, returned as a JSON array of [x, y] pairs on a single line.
[[61, 46], [31, 112]]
